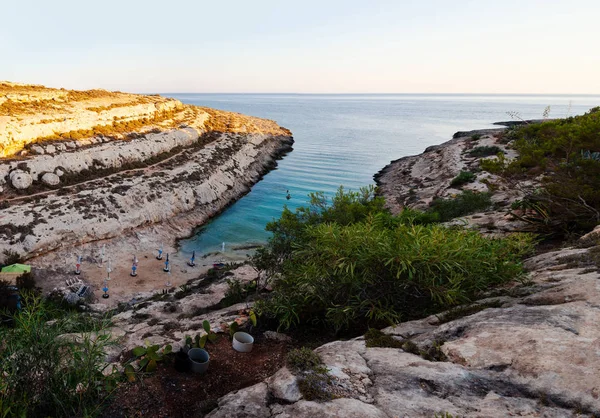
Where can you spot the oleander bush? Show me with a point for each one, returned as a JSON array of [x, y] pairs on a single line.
[[44, 374], [350, 263]]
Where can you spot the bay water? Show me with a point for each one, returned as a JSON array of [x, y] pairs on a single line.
[[345, 140]]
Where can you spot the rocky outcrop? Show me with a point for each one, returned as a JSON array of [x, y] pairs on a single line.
[[415, 181], [533, 355], [111, 155], [30, 113]]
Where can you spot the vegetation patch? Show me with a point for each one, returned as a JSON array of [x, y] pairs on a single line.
[[313, 382], [566, 153], [462, 204], [47, 375], [351, 264], [466, 310], [376, 338], [485, 151], [463, 177]]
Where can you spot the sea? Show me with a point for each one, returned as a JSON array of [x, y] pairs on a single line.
[[343, 140]]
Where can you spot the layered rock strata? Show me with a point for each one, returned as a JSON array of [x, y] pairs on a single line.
[[182, 166]]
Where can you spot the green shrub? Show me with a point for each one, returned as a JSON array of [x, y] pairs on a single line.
[[485, 151], [377, 268], [494, 165], [462, 204], [303, 359], [462, 178], [315, 387], [11, 257], [313, 381], [376, 338], [476, 137], [563, 151], [44, 375]]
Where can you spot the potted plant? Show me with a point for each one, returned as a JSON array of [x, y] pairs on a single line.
[[199, 359]]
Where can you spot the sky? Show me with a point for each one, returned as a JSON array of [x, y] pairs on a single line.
[[250, 46]]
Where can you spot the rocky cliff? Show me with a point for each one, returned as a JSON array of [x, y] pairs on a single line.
[[88, 166]]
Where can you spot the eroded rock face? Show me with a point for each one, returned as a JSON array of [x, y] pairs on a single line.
[[20, 179]]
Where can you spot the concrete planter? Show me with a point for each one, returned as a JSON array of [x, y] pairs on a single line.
[[243, 342]]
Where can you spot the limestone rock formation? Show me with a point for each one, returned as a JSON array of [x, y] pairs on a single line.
[[125, 161]]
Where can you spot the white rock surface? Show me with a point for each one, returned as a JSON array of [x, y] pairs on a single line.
[[50, 179]]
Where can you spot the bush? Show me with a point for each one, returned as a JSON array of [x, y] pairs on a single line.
[[463, 178], [44, 375], [303, 359], [26, 282], [485, 151], [11, 257], [314, 382], [563, 151], [462, 204], [373, 268]]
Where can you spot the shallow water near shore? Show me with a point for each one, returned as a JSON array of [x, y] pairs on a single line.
[[345, 140]]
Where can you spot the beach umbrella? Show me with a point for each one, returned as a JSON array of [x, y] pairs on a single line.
[[17, 268]]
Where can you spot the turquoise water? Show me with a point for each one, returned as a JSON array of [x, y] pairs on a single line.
[[345, 139]]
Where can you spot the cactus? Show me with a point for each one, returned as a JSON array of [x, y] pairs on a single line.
[[148, 358], [198, 341]]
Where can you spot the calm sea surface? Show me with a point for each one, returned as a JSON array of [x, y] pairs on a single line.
[[344, 140]]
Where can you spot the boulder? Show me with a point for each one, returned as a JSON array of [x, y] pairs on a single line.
[[36, 149], [283, 385], [20, 179], [248, 402], [50, 149], [50, 179]]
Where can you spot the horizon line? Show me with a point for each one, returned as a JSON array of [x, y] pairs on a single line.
[[377, 94]]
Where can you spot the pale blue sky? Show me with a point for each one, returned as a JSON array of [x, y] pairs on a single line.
[[465, 46]]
